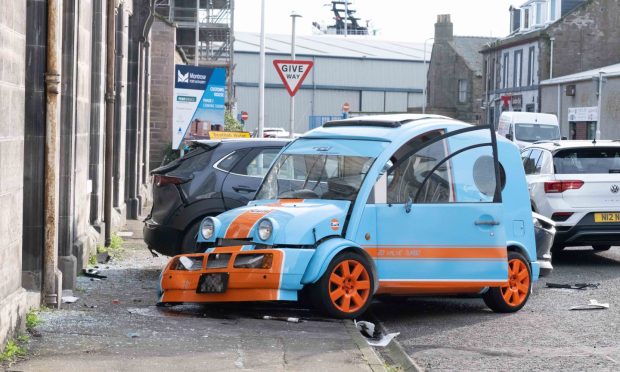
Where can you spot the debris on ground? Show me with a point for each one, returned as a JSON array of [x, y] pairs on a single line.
[[69, 299], [133, 335], [125, 234], [573, 286], [186, 262], [93, 273], [116, 301], [593, 305], [282, 318], [373, 336]]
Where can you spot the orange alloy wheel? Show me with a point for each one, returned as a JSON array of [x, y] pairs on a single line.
[[349, 286], [518, 283]]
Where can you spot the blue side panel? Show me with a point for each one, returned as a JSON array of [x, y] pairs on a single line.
[[442, 270], [293, 267]]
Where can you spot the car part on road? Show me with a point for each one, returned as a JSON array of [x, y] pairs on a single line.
[[92, 273], [573, 286], [372, 335], [544, 232], [282, 318], [512, 296], [593, 305]]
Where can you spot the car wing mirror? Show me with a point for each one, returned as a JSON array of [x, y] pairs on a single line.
[[509, 136], [408, 204]]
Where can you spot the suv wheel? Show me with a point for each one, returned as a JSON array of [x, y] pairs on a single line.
[[189, 244]]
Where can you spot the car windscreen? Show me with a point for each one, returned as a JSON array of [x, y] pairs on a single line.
[[312, 176], [536, 132], [587, 160]]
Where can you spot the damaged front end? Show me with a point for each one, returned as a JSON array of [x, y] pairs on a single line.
[[544, 230]]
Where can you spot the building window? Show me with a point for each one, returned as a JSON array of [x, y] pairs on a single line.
[[539, 13], [505, 72], [518, 67], [493, 72], [462, 91], [530, 67], [526, 18], [552, 10]]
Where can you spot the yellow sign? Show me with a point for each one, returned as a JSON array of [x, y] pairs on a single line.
[[223, 135], [607, 217]]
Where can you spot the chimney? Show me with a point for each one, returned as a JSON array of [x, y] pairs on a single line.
[[443, 28]]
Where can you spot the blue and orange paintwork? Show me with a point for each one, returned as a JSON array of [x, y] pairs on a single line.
[[308, 234]]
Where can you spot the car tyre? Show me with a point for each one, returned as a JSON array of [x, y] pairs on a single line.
[[512, 296], [345, 289], [189, 244], [601, 248]]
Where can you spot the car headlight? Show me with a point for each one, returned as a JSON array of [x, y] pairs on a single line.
[[265, 229], [207, 229]]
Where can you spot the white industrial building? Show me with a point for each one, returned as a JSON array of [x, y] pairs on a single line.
[[371, 75]]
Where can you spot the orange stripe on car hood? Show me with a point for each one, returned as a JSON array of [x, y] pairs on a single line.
[[413, 253]]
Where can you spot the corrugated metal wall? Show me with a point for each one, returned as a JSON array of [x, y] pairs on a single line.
[[368, 85]]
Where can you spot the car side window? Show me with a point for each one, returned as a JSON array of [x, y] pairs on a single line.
[[530, 162], [228, 162], [259, 164], [543, 165]]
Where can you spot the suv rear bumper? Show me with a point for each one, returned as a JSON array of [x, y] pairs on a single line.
[[588, 232], [162, 239]]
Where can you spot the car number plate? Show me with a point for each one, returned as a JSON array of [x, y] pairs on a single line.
[[212, 283], [607, 217]]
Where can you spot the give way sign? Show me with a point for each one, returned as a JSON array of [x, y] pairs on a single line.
[[292, 73]]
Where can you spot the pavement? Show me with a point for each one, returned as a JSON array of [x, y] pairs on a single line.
[[462, 334], [115, 326]]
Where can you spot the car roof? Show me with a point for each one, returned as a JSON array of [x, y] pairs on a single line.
[[243, 142], [572, 144], [376, 127]]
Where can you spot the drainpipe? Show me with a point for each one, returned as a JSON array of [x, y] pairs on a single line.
[[551, 59], [601, 80], [109, 118], [52, 277]]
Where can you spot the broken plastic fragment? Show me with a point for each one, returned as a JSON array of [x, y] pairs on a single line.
[[282, 318], [186, 262], [69, 299], [593, 305]]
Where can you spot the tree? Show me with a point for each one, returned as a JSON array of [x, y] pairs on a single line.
[[231, 124]]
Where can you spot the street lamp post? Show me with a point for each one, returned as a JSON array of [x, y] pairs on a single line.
[[292, 109], [426, 79], [261, 73]]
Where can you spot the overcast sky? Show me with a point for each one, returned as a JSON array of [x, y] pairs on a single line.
[[402, 20]]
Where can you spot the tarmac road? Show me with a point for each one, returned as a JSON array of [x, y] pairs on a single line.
[[462, 334]]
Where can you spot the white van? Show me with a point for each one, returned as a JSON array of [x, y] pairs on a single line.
[[524, 128]]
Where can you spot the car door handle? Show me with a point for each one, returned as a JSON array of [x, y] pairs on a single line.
[[242, 188], [486, 223]]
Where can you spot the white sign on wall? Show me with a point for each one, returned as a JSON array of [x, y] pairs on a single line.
[[583, 113]]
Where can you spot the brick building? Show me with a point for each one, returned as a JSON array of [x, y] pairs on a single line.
[[54, 208], [547, 38], [455, 73]]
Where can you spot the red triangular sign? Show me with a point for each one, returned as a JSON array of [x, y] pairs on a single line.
[[292, 73]]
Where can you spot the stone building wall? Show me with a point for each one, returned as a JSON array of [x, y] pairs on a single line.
[[13, 299], [162, 84]]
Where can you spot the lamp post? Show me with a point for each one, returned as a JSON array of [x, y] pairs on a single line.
[[261, 73], [426, 79], [291, 128]]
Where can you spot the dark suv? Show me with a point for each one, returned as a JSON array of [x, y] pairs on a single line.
[[214, 176]]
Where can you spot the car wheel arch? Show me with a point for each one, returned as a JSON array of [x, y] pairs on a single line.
[[320, 260], [516, 247]]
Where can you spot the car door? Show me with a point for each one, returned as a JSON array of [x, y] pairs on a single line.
[[441, 226], [246, 176]]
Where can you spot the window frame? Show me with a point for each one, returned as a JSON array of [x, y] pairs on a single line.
[[248, 158], [461, 91], [506, 63], [517, 76], [497, 197]]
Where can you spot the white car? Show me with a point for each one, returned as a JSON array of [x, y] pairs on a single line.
[[577, 185]]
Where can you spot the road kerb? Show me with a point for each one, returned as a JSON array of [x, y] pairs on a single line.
[[370, 355], [396, 352]]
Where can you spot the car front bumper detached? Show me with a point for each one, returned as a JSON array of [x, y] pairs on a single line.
[[228, 275]]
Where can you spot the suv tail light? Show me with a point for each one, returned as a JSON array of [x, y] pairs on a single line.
[[561, 216], [561, 186], [161, 180]]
